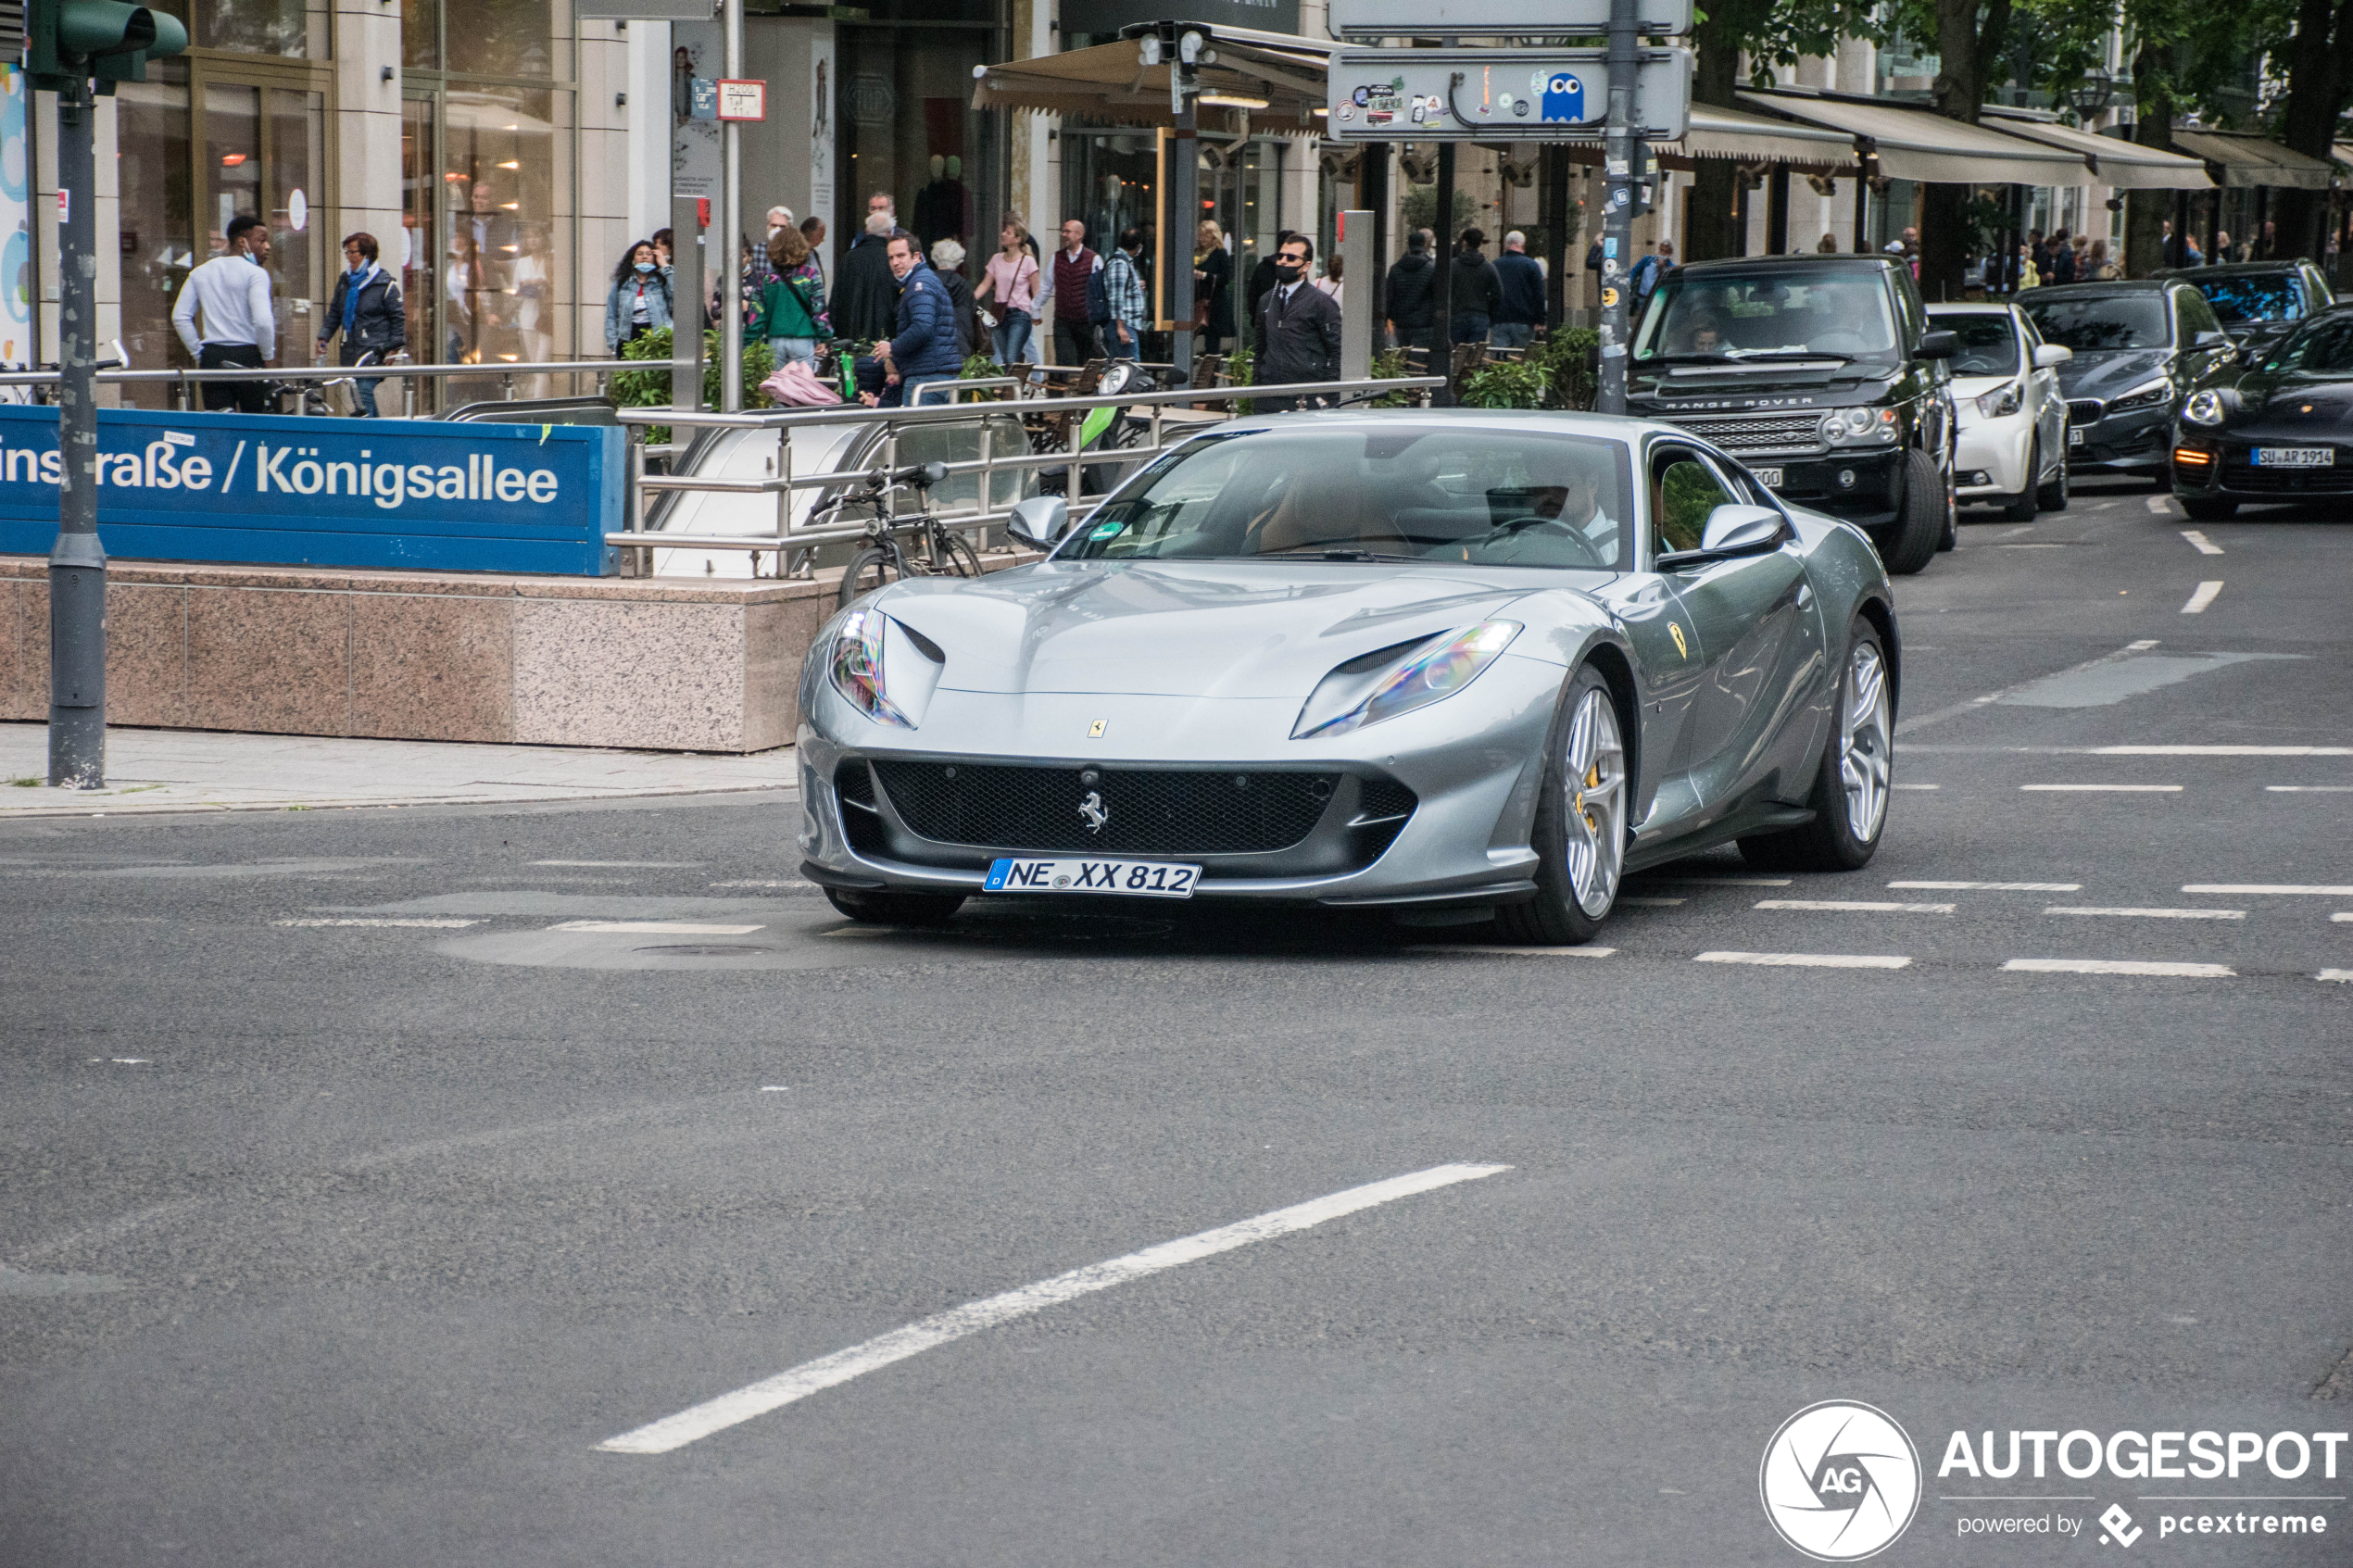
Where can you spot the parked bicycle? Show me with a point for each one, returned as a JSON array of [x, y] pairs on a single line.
[[310, 397], [905, 544]]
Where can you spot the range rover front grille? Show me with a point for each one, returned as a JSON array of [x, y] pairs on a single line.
[[1757, 434]]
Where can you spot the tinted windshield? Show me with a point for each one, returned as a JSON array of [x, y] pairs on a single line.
[[2087, 326], [1483, 497], [2255, 298], [1989, 344], [1843, 311], [2325, 347]]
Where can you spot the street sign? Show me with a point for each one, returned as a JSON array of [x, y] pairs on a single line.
[[742, 99], [1499, 95], [1495, 19]]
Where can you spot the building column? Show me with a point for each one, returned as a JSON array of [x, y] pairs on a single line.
[[606, 109], [367, 130], [646, 117]]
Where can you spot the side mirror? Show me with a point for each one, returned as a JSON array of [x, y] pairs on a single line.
[[1734, 530], [2047, 354], [1938, 344], [1039, 521]]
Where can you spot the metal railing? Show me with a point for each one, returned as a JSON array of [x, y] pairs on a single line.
[[782, 482], [185, 380]]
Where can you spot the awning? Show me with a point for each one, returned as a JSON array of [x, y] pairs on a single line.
[[1916, 143], [1274, 78], [1752, 138], [2247, 160], [2126, 166]]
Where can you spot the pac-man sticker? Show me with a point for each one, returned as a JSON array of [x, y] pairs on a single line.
[[1676, 633]]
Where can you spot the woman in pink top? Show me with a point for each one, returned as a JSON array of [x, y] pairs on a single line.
[[1009, 283]]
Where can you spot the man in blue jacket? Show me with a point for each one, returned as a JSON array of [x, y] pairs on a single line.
[[921, 346]]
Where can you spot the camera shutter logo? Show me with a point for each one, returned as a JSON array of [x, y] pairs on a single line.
[[1840, 1480]]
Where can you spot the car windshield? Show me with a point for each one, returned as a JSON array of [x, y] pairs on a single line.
[[1483, 497], [1840, 311], [2100, 321], [1989, 344], [2325, 348], [2254, 297]]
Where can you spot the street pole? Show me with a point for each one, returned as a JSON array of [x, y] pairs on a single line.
[[77, 564], [1617, 210], [1441, 331], [1184, 196], [729, 228]]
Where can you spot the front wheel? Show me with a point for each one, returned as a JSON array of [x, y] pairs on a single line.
[[1580, 823], [2205, 509], [870, 569], [1851, 788], [1909, 543], [2029, 500], [2051, 495]]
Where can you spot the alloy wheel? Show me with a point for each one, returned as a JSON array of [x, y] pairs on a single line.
[[1866, 742], [1594, 778]]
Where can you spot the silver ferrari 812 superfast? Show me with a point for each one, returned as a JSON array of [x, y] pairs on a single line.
[[1441, 663]]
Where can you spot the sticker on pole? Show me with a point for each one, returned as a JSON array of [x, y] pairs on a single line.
[[740, 99], [1499, 94]]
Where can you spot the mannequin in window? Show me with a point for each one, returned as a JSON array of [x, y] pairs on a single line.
[[943, 207]]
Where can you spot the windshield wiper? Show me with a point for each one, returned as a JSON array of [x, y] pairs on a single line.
[[1361, 555], [1745, 356]]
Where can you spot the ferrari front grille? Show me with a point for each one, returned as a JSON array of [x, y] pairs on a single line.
[[1119, 811]]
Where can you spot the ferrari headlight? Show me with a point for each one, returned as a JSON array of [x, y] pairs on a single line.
[[1850, 426], [2148, 394], [2203, 409], [885, 671], [1391, 681], [2000, 403]]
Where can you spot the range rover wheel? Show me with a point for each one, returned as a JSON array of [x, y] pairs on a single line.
[[1580, 823], [879, 908], [1908, 543], [1851, 789]]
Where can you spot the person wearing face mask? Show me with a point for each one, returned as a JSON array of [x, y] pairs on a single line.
[[367, 311], [232, 291], [640, 301], [1298, 335], [921, 346]]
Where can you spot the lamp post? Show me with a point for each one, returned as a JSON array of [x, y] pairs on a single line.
[[2089, 96]]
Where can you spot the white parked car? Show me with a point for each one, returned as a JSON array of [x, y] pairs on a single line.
[[2011, 419]]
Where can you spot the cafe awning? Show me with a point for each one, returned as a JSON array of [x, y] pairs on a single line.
[[1753, 138], [2125, 166], [2246, 161], [1916, 144], [1274, 78]]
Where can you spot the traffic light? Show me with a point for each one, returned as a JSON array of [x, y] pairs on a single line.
[[66, 41]]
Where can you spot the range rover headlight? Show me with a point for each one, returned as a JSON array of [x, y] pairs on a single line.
[[2148, 394], [2204, 409], [1388, 682], [885, 671], [1850, 427], [2000, 403]]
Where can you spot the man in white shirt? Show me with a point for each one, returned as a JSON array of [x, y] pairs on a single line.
[[240, 330]]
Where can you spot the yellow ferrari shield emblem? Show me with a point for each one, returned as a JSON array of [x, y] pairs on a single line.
[[1676, 633], [1095, 730]]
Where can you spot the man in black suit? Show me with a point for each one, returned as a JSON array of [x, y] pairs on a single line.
[[1298, 328]]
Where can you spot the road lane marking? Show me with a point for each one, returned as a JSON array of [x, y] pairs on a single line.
[[2346, 918], [1918, 786], [2219, 751], [1808, 960], [781, 882], [1650, 903], [2149, 914], [656, 928], [2200, 543], [2307, 789], [1990, 887], [2323, 890], [2158, 503], [2334, 974], [2204, 596], [426, 924], [2108, 789], [1482, 950], [2120, 966], [810, 1377], [1720, 881], [1857, 906], [645, 865]]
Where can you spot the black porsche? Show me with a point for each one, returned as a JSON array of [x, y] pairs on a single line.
[[2284, 432]]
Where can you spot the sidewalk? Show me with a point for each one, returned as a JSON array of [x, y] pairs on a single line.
[[151, 771]]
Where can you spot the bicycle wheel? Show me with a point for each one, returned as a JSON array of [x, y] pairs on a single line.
[[870, 569], [952, 555]]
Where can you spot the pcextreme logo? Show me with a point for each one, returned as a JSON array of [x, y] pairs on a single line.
[[1840, 1480]]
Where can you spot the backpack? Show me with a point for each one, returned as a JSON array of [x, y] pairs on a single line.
[[1098, 296], [1645, 276]]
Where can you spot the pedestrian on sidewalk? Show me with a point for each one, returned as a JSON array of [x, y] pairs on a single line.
[[240, 329], [948, 261], [1412, 293], [1124, 291], [1475, 290], [792, 304], [366, 310], [1212, 285], [640, 301], [1074, 267], [866, 295], [1298, 328], [921, 346], [1520, 308], [1009, 286]]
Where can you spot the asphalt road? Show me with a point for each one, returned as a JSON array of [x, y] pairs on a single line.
[[337, 1243]]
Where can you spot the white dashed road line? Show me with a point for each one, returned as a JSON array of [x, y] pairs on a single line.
[[656, 928], [2204, 596], [2307, 789], [1468, 951], [1808, 960], [2120, 966], [2101, 789], [633, 865], [1918, 786], [2151, 914], [780, 882], [1990, 887], [427, 924], [1721, 880], [2334, 974], [1651, 903], [2200, 543], [2159, 504], [2346, 918], [826, 1372], [2322, 890], [1854, 906], [2219, 751]]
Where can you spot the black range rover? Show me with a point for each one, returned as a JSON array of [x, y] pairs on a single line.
[[1819, 372]]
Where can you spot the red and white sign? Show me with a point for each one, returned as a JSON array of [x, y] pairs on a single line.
[[740, 99]]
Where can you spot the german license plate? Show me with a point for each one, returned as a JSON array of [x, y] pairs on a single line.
[[2294, 456], [2075, 435], [1770, 478], [1130, 879]]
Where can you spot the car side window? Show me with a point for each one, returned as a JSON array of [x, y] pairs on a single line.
[[2196, 315], [1685, 489]]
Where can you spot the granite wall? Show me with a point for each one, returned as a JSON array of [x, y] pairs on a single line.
[[658, 664]]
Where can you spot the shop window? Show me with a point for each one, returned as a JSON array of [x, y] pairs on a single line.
[[157, 217]]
